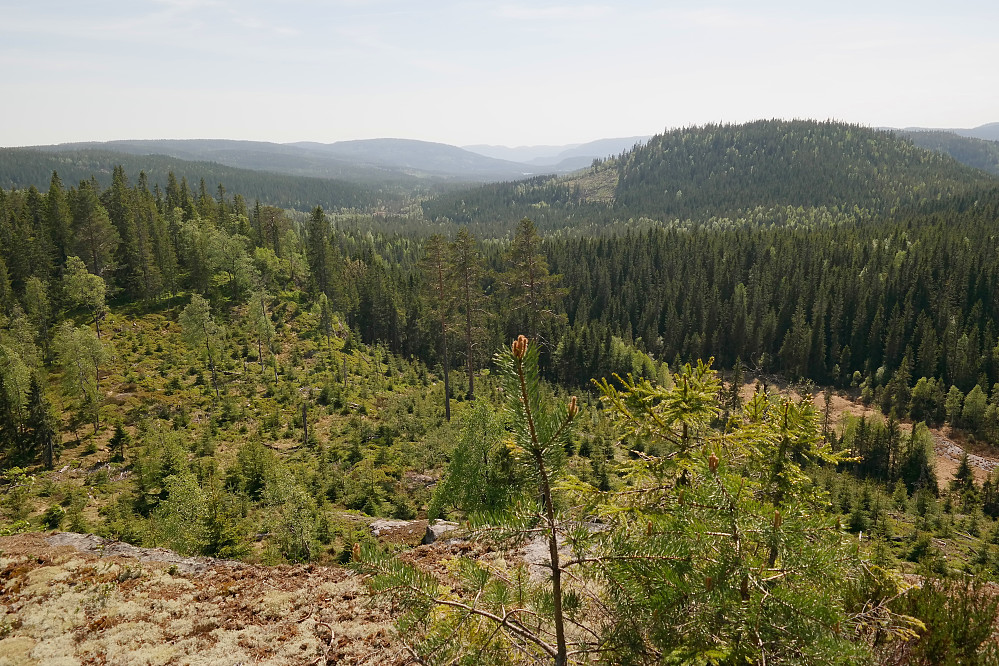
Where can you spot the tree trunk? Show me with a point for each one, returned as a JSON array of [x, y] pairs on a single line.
[[97, 398], [211, 364], [447, 370], [468, 339], [561, 658], [260, 355], [305, 425]]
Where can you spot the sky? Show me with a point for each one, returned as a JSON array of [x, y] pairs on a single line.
[[504, 73]]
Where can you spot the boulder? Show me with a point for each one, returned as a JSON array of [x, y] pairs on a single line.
[[437, 529]]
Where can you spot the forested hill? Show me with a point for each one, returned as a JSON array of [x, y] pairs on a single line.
[[726, 170], [719, 169], [23, 168]]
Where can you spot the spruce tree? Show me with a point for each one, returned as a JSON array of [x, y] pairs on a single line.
[[119, 443], [319, 253], [96, 238], [41, 425], [10, 436], [533, 291], [58, 219]]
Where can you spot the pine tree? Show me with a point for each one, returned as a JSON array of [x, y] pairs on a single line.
[[466, 265], [718, 551], [436, 273], [498, 606]]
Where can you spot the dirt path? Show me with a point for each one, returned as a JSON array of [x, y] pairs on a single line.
[[948, 459], [948, 452]]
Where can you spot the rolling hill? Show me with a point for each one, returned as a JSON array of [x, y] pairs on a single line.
[[24, 167], [723, 170]]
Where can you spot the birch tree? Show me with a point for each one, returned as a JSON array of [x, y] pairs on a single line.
[[202, 334]]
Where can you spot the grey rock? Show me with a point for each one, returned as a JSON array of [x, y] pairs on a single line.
[[437, 529]]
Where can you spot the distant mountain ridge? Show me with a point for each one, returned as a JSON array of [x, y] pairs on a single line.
[[569, 157], [979, 153], [988, 132], [362, 173], [372, 161], [368, 161], [419, 156]]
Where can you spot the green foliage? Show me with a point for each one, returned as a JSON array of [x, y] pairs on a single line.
[[718, 551], [725, 538], [959, 616], [198, 518]]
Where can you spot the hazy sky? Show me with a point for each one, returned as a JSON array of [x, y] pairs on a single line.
[[512, 73]]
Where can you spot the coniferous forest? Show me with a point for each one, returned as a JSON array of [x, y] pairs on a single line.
[[638, 370]]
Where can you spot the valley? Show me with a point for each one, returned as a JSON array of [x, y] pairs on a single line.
[[758, 394]]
